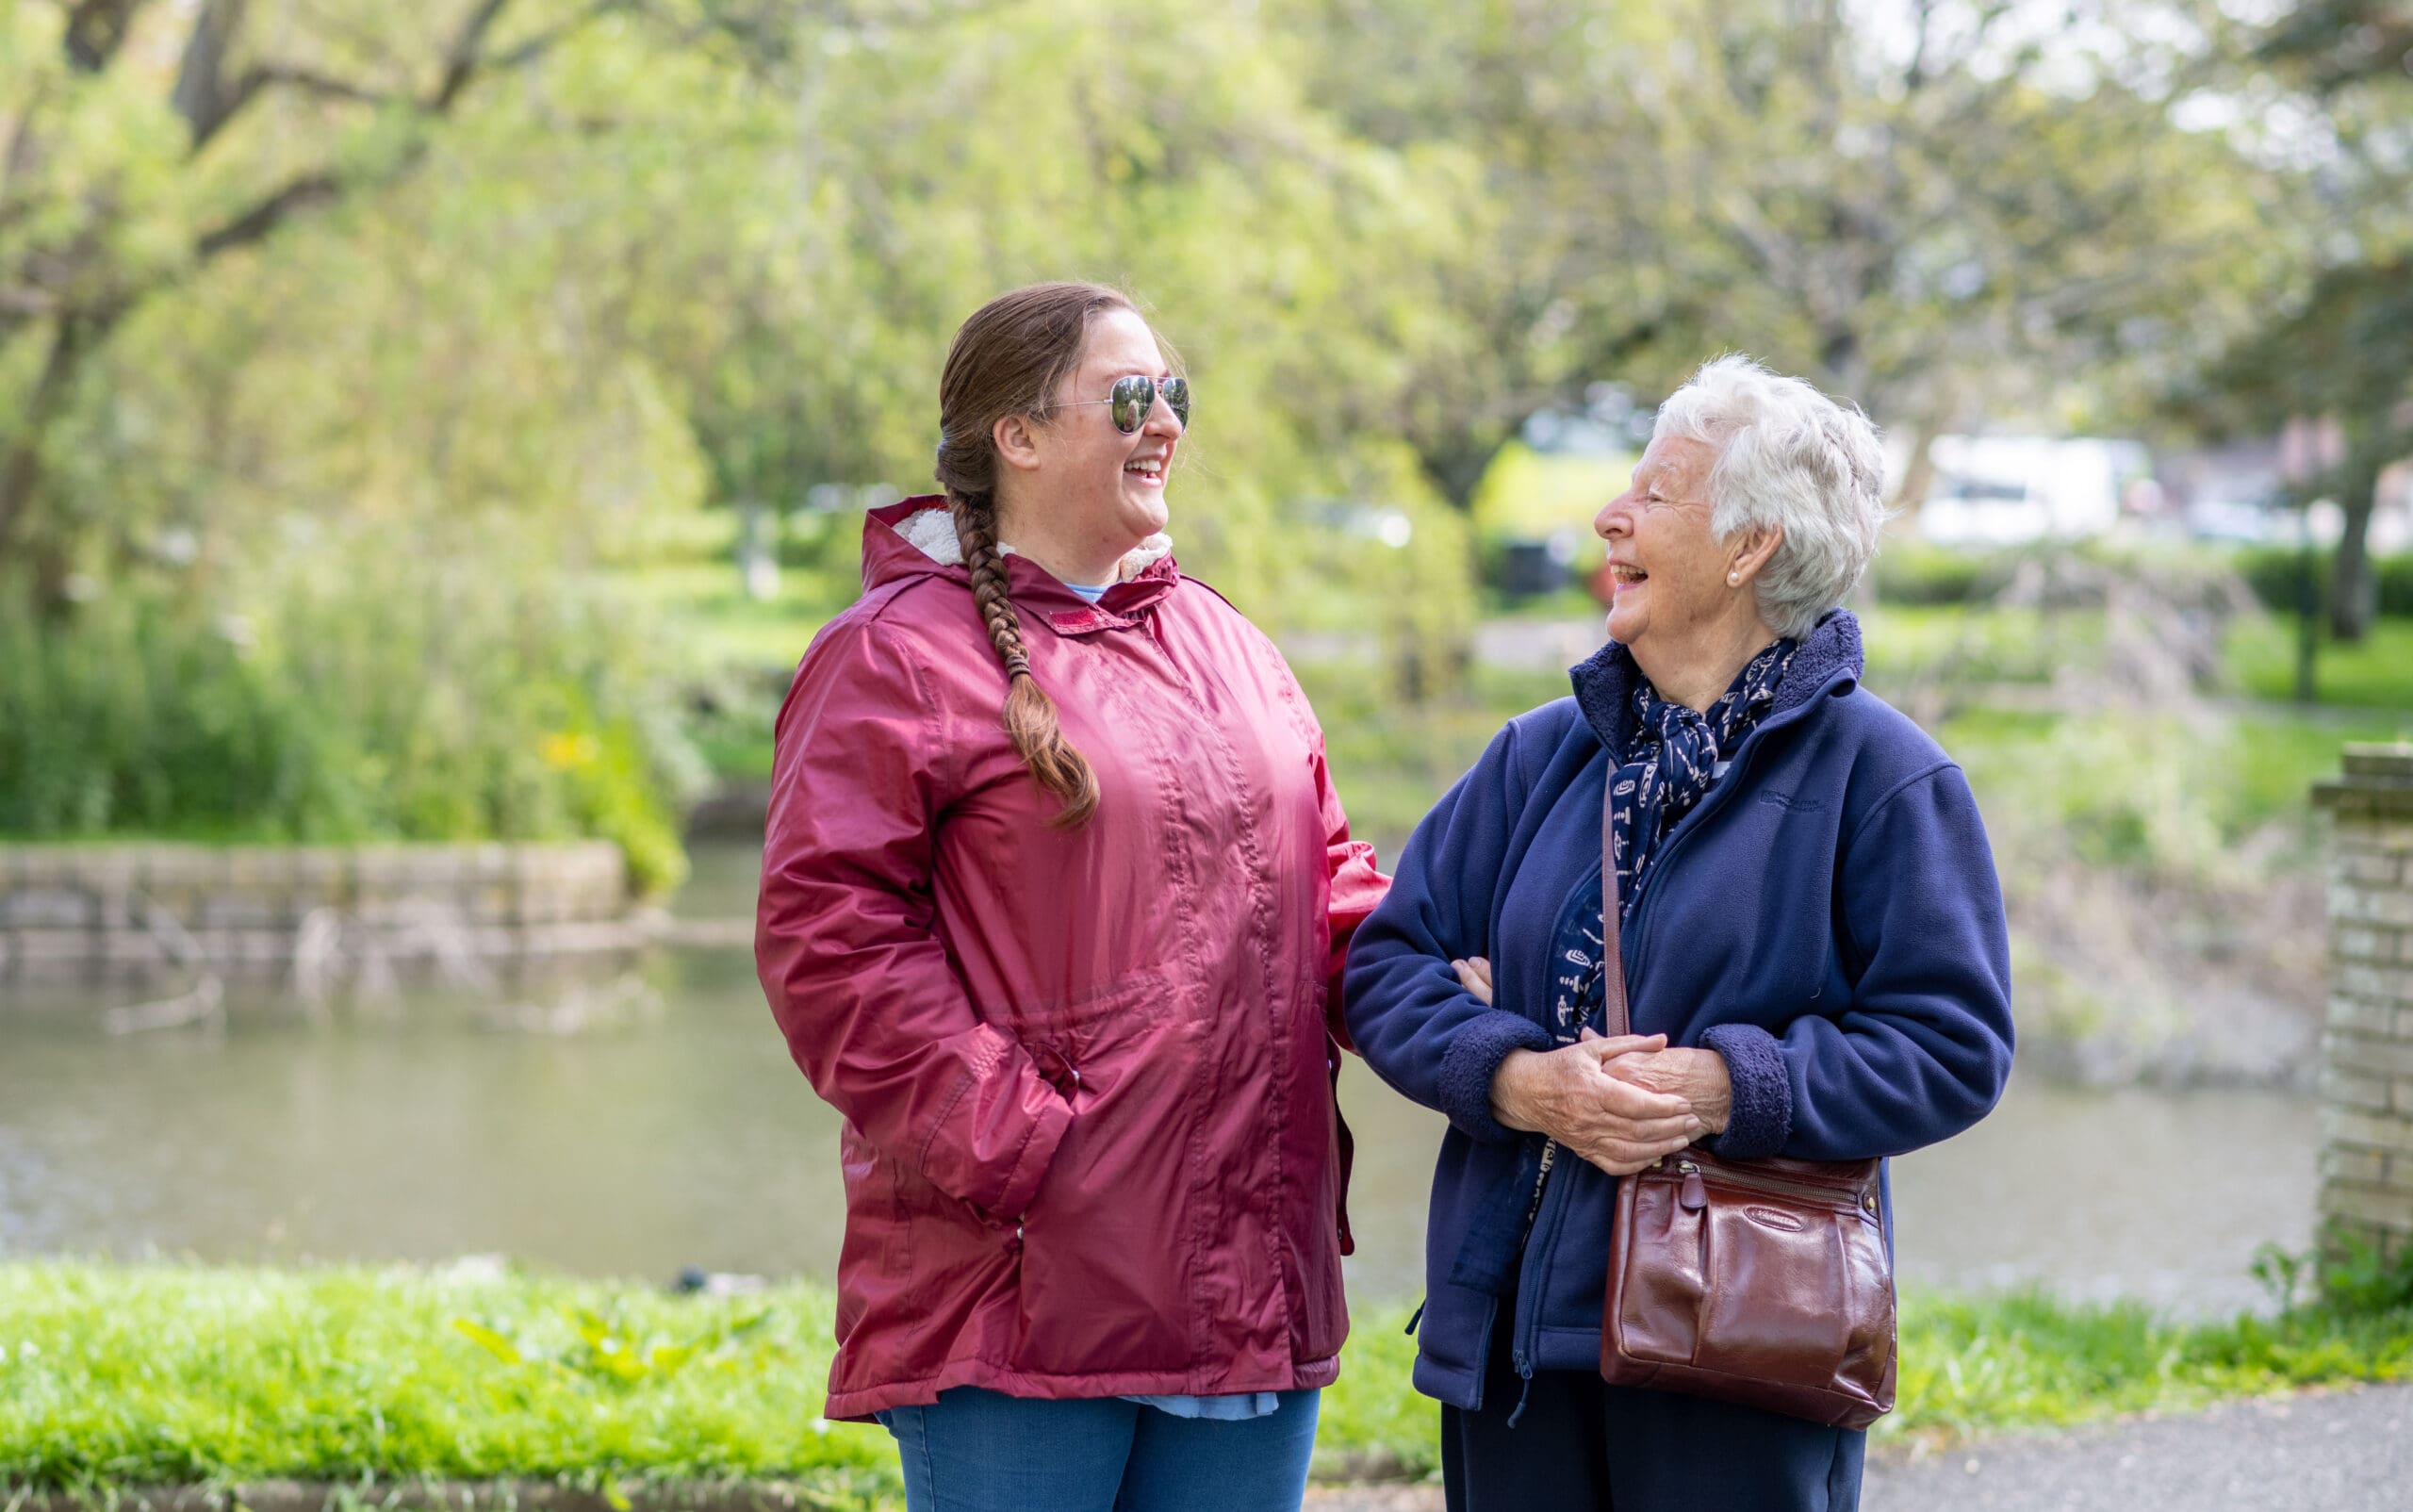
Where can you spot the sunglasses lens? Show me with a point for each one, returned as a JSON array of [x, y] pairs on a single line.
[[1132, 399]]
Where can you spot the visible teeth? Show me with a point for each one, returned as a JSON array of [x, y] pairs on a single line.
[[1150, 469]]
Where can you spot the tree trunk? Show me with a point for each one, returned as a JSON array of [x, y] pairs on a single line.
[[2353, 588], [1457, 466], [1918, 471], [26, 536]]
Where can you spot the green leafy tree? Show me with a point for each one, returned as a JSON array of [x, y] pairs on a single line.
[[2340, 344], [146, 144], [904, 176], [1945, 223]]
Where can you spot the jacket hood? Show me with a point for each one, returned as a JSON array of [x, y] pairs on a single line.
[[915, 537], [1605, 680]]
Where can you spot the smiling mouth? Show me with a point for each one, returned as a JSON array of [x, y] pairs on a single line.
[[1151, 469], [1626, 576]]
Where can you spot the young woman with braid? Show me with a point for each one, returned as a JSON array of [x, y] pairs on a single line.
[[1053, 889]]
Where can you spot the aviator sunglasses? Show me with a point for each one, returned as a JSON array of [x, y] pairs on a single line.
[[1133, 397]]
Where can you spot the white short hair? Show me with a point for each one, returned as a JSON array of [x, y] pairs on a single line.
[[1789, 457]]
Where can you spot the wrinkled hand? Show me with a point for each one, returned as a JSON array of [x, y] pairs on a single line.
[[1618, 1123], [1699, 1076]]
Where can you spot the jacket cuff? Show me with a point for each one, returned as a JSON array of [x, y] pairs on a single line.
[[1471, 1061], [1760, 1119]]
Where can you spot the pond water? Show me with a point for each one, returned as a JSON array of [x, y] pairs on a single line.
[[634, 1121]]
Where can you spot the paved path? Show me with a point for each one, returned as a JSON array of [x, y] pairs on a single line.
[[2334, 1452], [2331, 1452]]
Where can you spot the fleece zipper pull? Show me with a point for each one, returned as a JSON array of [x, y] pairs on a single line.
[[1523, 1395]]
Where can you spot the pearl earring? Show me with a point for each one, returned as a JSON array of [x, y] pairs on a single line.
[[1733, 578]]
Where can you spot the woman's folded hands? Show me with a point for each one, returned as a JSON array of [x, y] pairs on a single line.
[[1620, 1103]]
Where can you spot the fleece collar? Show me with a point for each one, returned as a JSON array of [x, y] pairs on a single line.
[[915, 537], [933, 531], [1830, 659]]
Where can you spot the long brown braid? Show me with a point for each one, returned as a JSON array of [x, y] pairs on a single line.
[[1007, 359]]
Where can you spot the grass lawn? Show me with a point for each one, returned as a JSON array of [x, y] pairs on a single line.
[[125, 1375], [2376, 674]]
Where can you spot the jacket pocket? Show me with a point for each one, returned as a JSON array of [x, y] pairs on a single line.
[[1106, 1250]]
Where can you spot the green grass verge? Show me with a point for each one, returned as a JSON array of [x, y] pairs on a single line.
[[2376, 673], [1973, 1366], [150, 1374], [125, 1375]]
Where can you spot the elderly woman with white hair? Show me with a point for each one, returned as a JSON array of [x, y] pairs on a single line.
[[1811, 940]]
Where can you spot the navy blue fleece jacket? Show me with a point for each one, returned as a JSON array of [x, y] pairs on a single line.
[[1827, 919]]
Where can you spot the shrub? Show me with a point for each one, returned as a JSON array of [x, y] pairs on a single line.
[[371, 689], [2274, 573], [1916, 573]]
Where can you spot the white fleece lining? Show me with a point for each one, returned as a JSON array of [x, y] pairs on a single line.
[[932, 532]]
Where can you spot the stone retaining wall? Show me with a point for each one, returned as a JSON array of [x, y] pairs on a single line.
[[2367, 1049], [135, 910]]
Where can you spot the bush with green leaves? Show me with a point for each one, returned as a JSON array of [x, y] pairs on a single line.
[[1914, 572], [378, 686], [2276, 575]]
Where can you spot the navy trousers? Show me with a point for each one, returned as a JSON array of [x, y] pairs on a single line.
[[1581, 1442]]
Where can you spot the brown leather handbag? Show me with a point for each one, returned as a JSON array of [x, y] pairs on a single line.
[[1763, 1282]]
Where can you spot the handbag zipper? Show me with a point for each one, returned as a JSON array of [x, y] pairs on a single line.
[[1754, 1181]]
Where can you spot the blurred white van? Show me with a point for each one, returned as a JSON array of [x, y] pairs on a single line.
[[2008, 490]]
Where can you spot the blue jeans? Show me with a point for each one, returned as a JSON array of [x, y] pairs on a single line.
[[976, 1451]]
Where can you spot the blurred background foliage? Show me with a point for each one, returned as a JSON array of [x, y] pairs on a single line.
[[388, 393]]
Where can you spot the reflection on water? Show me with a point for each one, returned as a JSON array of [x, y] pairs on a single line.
[[2158, 1196], [652, 1121], [2161, 1197]]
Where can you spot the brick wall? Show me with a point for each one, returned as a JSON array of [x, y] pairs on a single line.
[[133, 910], [2367, 1048]]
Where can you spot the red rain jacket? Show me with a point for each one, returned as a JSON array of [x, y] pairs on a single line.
[[1090, 1145]]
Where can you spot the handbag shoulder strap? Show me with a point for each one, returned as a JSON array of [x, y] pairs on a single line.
[[1612, 949]]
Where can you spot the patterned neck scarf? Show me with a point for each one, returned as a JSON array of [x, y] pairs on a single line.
[[1674, 760]]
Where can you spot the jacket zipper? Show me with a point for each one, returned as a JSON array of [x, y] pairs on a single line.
[[1518, 1355], [1527, 1319], [1549, 1157]]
